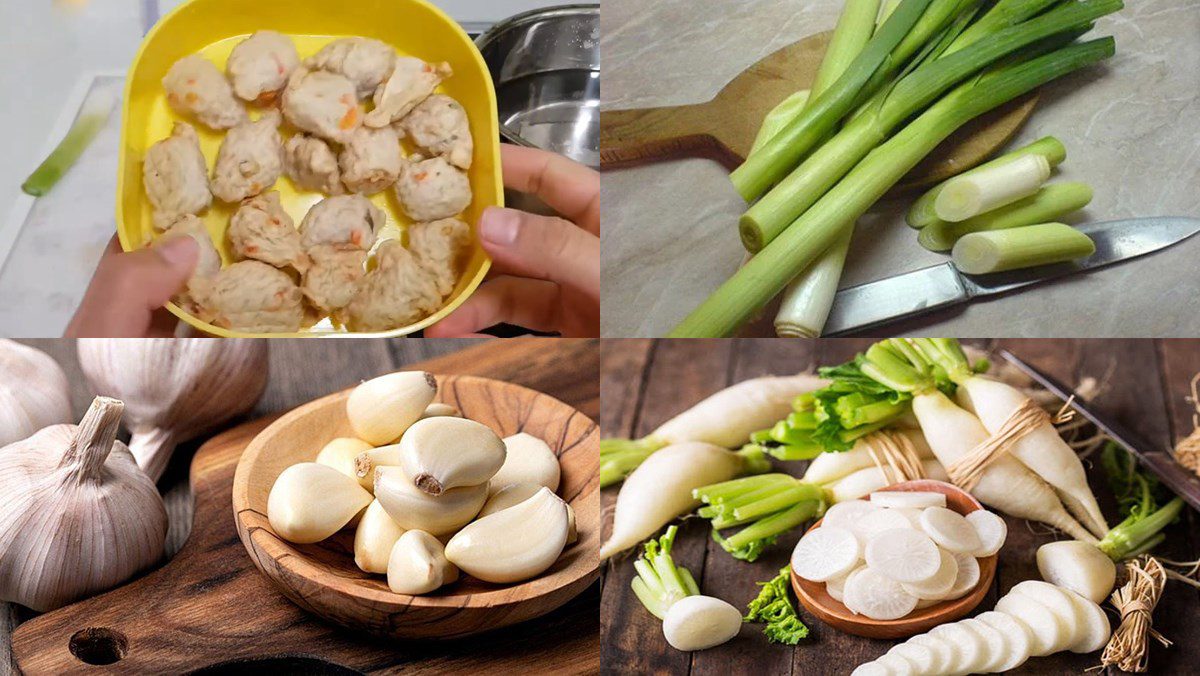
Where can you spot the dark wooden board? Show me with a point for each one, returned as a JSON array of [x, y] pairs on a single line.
[[1146, 384]]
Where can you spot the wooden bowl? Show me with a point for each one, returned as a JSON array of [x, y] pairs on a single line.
[[322, 577], [813, 596]]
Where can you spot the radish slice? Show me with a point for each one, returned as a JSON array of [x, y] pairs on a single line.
[[825, 553], [849, 602], [885, 665], [943, 653], [995, 645], [903, 554], [938, 586], [845, 514], [913, 516], [922, 658], [967, 644], [879, 598], [950, 530], [871, 524], [967, 578], [835, 587], [925, 603], [1094, 630], [1046, 630], [1056, 601], [1015, 632], [991, 529], [914, 500]]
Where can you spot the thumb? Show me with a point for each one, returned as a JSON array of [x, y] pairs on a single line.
[[541, 247], [150, 277]]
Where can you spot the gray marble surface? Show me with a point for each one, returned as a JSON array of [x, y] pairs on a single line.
[[1131, 127]]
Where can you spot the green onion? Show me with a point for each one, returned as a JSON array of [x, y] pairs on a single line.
[[92, 117], [659, 582], [778, 118], [744, 294], [1003, 14], [998, 250], [774, 607], [1050, 203], [980, 192]]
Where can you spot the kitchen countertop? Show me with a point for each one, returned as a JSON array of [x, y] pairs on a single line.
[[1131, 127]]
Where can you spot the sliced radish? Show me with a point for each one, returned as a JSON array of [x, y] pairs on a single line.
[[1056, 601], [922, 658], [849, 602], [879, 598], [1094, 629], [991, 529], [967, 644], [967, 577], [1085, 621], [944, 654], [897, 665], [1046, 630], [868, 525], [903, 554], [938, 586], [835, 587], [1020, 643], [995, 644], [913, 515], [925, 603], [950, 529], [825, 553], [913, 500], [845, 514]]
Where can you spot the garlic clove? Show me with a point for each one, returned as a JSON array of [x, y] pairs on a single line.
[[341, 453], [418, 565], [437, 409], [381, 409], [310, 501], [374, 538], [366, 462], [513, 544], [509, 496], [443, 453], [527, 459], [414, 509]]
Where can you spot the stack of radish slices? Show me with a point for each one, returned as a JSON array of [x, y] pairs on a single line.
[[899, 551]]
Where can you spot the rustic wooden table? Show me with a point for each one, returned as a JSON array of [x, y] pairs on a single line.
[[645, 382], [302, 370]]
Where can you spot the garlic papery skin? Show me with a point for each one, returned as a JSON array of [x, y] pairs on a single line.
[[418, 564], [366, 462], [527, 460], [414, 509], [437, 409], [381, 409], [373, 539], [310, 501], [572, 531], [341, 453], [443, 453], [174, 389], [77, 516], [513, 544], [509, 496], [34, 392]]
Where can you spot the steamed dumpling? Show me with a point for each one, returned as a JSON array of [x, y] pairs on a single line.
[[311, 165], [334, 277], [196, 87], [370, 160], [396, 293], [321, 103], [410, 82], [364, 61], [440, 247], [208, 260], [432, 189], [250, 296], [175, 176], [259, 66], [439, 126], [250, 159], [262, 230], [342, 220]]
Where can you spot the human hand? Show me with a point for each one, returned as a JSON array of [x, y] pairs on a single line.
[[128, 291], [545, 272]]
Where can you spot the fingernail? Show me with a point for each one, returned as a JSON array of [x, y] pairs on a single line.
[[179, 252], [499, 226]]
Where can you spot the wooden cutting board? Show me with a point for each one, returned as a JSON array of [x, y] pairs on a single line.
[[209, 609], [724, 128]]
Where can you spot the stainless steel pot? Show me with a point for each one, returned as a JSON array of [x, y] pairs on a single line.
[[546, 66]]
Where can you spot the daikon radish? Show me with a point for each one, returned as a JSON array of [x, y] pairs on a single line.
[[1086, 621], [913, 516], [1048, 632], [1079, 567], [1057, 602], [912, 500], [661, 489], [868, 592], [829, 467], [937, 587], [991, 530], [923, 659], [967, 577], [825, 553], [925, 603], [843, 514], [849, 602], [996, 648], [1016, 634], [950, 530], [943, 654], [871, 479], [1095, 629], [903, 555], [836, 586], [872, 523], [969, 646], [885, 665]]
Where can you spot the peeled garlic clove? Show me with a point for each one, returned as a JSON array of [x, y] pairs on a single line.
[[381, 409], [527, 460], [418, 564], [509, 496], [443, 453], [439, 409], [513, 544], [414, 509], [366, 462], [310, 501], [374, 538], [341, 453]]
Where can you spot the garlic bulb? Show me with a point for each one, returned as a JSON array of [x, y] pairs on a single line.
[[441, 453], [34, 392], [513, 544], [528, 460], [340, 454], [174, 389], [382, 408], [414, 509], [418, 564], [309, 502], [77, 516], [374, 538]]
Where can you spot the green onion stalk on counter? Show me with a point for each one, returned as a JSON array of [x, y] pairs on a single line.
[[1052, 202], [1023, 247]]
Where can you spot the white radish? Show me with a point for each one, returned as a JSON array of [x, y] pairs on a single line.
[[1057, 602], [995, 645], [950, 530], [1095, 629], [844, 514], [885, 665], [869, 525], [835, 587], [1079, 567], [909, 500], [913, 516], [870, 593], [700, 622], [1016, 634], [829, 467], [1042, 450], [826, 553], [848, 602], [925, 603], [943, 653], [1006, 485], [922, 658], [1086, 621], [871, 479], [1048, 632], [967, 577], [903, 554], [968, 647], [660, 489], [991, 530], [937, 587]]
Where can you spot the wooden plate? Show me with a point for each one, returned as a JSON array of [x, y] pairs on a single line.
[[813, 596], [322, 577]]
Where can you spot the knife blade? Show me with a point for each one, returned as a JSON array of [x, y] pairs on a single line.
[[1179, 479], [932, 288]]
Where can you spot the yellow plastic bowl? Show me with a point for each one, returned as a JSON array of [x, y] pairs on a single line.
[[214, 27]]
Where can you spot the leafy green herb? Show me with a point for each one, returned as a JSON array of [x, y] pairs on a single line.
[[774, 607]]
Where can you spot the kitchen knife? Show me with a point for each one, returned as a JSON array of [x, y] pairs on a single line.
[[1178, 478], [921, 291]]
